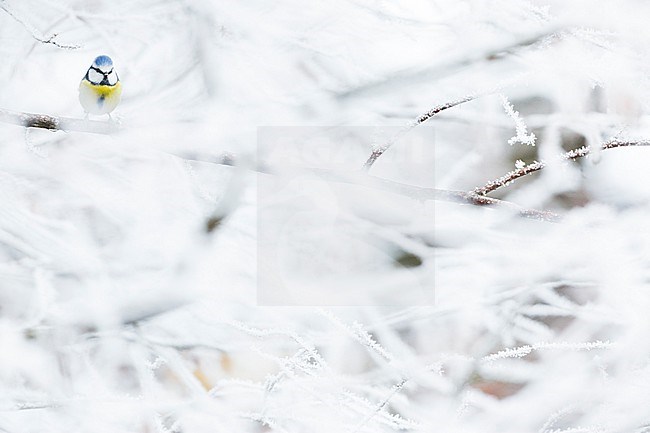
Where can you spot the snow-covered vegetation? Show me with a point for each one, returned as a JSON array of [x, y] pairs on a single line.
[[351, 216]]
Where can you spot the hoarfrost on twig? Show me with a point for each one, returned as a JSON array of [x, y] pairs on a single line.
[[521, 130]]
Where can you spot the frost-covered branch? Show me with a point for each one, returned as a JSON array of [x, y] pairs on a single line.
[[380, 407], [379, 151], [38, 36], [509, 177], [580, 152], [520, 352], [55, 123]]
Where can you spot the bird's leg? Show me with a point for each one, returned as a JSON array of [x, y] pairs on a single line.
[[86, 115]]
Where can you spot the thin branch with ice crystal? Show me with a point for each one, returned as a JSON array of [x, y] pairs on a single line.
[[525, 170]]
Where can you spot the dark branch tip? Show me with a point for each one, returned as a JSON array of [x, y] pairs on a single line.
[[213, 223]]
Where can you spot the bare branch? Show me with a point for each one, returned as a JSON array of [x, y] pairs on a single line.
[[376, 153], [34, 32], [54, 123], [581, 152]]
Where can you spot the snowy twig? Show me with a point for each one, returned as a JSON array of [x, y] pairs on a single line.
[[380, 407], [379, 151], [54, 123], [378, 412], [581, 152], [34, 32], [521, 130], [509, 177], [521, 351], [358, 333], [307, 346]]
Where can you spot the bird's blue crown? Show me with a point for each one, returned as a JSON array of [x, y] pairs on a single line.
[[103, 61]]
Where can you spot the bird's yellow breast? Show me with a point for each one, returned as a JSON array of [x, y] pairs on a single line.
[[99, 99]]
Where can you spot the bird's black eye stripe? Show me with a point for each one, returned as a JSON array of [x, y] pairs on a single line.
[[99, 71], [104, 81]]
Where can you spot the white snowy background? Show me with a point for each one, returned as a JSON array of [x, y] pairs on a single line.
[[147, 286]]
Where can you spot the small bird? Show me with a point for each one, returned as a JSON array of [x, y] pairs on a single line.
[[100, 89]]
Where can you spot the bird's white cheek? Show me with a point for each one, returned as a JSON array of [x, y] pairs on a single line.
[[112, 78], [94, 76]]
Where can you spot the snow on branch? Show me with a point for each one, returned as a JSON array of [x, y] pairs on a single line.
[[525, 170], [55, 123], [38, 36]]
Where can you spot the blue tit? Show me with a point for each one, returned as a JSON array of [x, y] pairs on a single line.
[[100, 89]]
